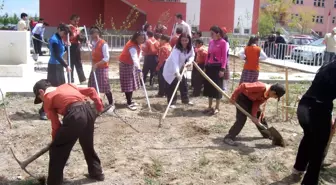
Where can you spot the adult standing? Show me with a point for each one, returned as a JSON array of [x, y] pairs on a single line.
[[181, 56], [56, 62], [215, 65], [38, 33], [22, 24], [315, 117], [182, 24], [280, 41], [75, 53], [330, 42], [129, 68]]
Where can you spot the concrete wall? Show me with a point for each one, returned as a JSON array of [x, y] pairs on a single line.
[[14, 47], [193, 12], [243, 14]]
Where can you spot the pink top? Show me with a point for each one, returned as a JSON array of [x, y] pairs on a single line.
[[217, 53]]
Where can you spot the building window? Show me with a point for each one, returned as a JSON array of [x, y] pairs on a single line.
[[298, 1], [246, 31], [333, 20], [295, 16], [335, 4], [236, 30], [319, 3], [318, 19]]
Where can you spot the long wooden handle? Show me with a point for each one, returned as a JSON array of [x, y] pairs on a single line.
[[227, 96], [175, 90]]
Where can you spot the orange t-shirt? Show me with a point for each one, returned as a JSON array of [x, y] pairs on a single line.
[[252, 54]]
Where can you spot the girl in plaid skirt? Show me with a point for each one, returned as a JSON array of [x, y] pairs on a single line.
[[129, 68], [251, 54], [100, 64]]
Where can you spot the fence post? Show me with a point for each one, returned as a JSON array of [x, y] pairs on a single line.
[[287, 94]]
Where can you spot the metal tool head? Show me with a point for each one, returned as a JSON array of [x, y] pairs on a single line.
[[276, 137], [22, 164]]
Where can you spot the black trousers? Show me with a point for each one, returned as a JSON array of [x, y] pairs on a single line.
[[37, 44], [76, 61], [55, 74], [315, 119], [197, 80], [241, 118], [150, 63], [78, 123], [183, 87], [162, 82]]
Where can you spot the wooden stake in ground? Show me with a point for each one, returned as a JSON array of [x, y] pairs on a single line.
[[287, 94]]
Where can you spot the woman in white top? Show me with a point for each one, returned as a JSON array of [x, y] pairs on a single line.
[[181, 56]]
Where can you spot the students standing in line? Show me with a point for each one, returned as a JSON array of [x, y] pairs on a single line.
[[150, 51], [164, 53], [75, 53], [129, 68], [251, 54], [214, 68], [181, 56]]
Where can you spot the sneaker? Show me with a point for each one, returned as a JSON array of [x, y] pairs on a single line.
[[230, 142], [296, 176], [100, 177], [43, 116], [188, 103], [135, 104], [172, 106], [132, 107]]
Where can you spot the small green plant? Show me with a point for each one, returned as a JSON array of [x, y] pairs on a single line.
[[277, 166], [149, 181], [153, 170], [276, 78], [203, 161]]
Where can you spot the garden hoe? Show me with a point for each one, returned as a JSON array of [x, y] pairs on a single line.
[[276, 137]]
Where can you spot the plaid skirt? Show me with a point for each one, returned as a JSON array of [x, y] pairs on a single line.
[[249, 76], [227, 72], [129, 77], [102, 75]]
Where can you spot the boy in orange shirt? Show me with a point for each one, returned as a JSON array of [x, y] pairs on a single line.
[[150, 50], [164, 53], [197, 78]]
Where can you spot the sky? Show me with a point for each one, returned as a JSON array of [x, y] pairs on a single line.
[[31, 7]]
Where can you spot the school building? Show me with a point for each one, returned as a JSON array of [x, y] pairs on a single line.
[[238, 16]]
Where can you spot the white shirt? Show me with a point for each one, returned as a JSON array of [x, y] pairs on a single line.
[[262, 56], [330, 41], [135, 57], [39, 29], [185, 27], [175, 63], [22, 25], [105, 49]]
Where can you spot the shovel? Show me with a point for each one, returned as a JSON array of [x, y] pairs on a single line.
[[276, 137]]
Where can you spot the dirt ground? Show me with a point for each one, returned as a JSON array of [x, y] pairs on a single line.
[[187, 150]]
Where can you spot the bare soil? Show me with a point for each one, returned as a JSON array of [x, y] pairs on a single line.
[[187, 150]]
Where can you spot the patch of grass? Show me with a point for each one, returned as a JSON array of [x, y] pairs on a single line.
[[276, 166], [235, 75], [276, 77], [149, 181], [153, 170], [203, 161]]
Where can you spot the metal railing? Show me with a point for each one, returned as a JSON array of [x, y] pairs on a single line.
[[301, 54]]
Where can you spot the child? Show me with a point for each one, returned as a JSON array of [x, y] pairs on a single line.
[[173, 40], [150, 50], [197, 78], [250, 96], [164, 53], [251, 54], [100, 64]]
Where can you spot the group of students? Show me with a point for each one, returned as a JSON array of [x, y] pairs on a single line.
[[169, 62]]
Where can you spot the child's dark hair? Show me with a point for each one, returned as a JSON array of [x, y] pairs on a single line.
[[165, 38], [179, 43], [217, 30], [253, 40], [136, 35], [179, 16], [23, 15], [198, 33], [95, 29], [146, 26], [74, 16], [199, 41], [150, 34], [179, 30], [65, 28]]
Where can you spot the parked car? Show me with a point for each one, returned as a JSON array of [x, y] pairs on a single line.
[[300, 39], [309, 54]]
